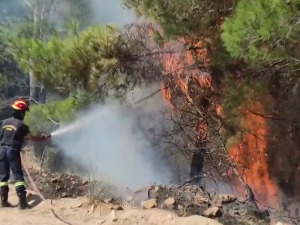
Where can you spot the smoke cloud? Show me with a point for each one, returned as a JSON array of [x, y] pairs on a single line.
[[99, 12], [111, 12], [109, 141]]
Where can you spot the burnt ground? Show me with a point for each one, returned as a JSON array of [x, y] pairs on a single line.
[[194, 200], [184, 201], [54, 186]]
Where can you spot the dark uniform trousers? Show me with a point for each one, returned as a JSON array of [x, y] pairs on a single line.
[[10, 159]]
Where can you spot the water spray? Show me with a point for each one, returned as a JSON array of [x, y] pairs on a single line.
[[107, 141], [65, 130]]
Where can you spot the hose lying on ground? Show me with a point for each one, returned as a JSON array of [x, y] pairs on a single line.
[[39, 193]]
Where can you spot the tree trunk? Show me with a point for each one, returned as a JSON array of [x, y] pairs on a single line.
[[34, 87], [40, 13]]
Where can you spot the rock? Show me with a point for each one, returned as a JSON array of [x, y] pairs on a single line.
[[218, 204], [54, 180], [220, 199], [117, 207], [85, 182], [169, 202], [237, 212], [100, 222], [151, 203], [212, 212], [114, 216], [240, 200], [199, 200], [39, 168], [156, 189], [107, 201], [44, 174], [65, 195], [226, 198], [58, 188], [188, 198]]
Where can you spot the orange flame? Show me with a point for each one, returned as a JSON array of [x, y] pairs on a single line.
[[219, 110], [250, 154], [166, 92], [182, 63], [202, 129], [182, 66], [251, 158]]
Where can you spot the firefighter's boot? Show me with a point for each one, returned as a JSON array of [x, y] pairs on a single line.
[[4, 199], [22, 201]]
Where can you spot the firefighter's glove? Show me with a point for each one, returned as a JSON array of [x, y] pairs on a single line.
[[45, 136]]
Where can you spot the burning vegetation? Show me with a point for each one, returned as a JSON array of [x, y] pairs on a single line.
[[251, 158], [192, 91]]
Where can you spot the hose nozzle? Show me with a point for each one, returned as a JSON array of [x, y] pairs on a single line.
[[46, 136]]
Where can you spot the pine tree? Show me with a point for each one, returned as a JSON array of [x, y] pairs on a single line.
[[183, 17], [77, 61], [262, 31]]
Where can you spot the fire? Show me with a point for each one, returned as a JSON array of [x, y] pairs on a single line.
[[185, 68], [202, 130], [251, 156], [166, 92], [219, 110], [182, 63]]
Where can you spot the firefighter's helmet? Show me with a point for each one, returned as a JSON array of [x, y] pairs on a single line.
[[21, 105]]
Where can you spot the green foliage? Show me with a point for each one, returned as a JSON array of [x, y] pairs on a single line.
[[238, 97], [81, 61], [183, 17], [261, 31], [10, 74], [25, 20], [46, 118], [4, 80]]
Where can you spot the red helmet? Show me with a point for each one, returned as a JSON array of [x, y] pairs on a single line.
[[20, 104]]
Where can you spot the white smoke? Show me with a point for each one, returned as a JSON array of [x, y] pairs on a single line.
[[109, 141], [92, 13], [111, 12]]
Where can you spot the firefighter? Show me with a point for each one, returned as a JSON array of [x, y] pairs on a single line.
[[13, 133]]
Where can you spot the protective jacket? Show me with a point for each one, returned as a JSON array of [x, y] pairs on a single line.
[[13, 132]]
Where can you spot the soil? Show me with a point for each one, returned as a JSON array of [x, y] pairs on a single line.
[[77, 211], [54, 186], [66, 194]]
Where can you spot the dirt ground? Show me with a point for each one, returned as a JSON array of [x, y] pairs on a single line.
[[80, 211]]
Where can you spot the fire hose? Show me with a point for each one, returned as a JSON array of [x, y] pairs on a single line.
[[39, 193]]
